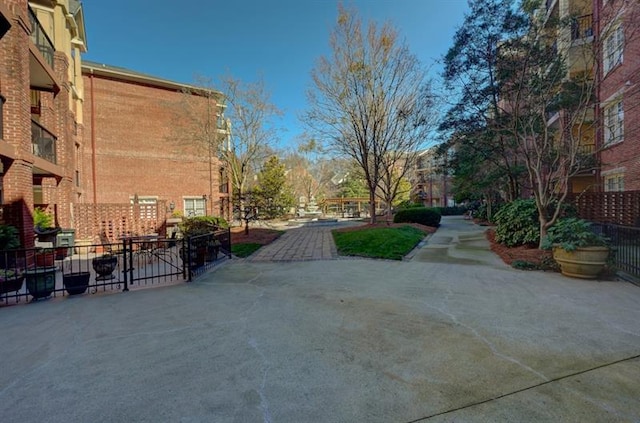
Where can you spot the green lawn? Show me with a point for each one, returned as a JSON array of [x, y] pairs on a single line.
[[385, 243], [245, 250]]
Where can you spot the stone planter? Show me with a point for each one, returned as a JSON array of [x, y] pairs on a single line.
[[584, 262], [41, 282], [104, 267], [76, 283]]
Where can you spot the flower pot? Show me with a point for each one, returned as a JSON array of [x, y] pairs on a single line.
[[45, 258], [76, 283], [104, 267], [584, 262], [41, 282], [11, 283]]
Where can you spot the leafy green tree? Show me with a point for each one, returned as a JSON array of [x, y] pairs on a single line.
[[476, 121], [272, 195]]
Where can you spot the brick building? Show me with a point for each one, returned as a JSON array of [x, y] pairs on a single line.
[[74, 133], [143, 142], [41, 101], [618, 26]]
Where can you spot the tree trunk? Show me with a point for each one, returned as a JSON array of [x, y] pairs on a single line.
[[372, 207]]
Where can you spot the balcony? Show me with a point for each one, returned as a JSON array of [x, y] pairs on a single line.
[[40, 39], [41, 60], [586, 158], [582, 27], [43, 143]]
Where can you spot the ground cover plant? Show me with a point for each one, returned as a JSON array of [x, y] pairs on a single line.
[[243, 245], [245, 249], [385, 242]]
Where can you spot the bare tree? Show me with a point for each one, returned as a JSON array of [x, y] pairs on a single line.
[[370, 98], [200, 125], [251, 131]]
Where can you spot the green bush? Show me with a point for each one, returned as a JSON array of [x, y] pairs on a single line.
[[571, 233], [422, 215], [517, 223], [200, 225], [408, 205], [452, 210], [9, 237]]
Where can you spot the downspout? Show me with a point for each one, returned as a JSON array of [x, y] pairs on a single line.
[[599, 138], [93, 141]]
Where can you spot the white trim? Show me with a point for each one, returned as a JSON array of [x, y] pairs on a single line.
[[613, 171]]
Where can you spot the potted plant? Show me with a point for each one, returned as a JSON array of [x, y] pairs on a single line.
[[197, 227], [43, 225], [10, 280], [580, 252], [104, 266], [76, 282], [41, 281]]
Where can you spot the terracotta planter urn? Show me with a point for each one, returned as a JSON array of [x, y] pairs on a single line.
[[583, 262]]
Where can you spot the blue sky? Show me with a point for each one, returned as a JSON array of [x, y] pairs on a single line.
[[278, 39]]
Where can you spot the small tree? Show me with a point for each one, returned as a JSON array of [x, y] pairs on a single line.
[[272, 194]]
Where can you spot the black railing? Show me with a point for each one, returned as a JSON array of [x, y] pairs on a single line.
[[40, 38], [205, 250], [625, 245], [43, 142], [132, 262], [582, 27]]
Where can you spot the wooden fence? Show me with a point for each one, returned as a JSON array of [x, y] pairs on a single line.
[[620, 208], [116, 220]]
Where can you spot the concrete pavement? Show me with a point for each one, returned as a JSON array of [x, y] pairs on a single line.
[[333, 341]]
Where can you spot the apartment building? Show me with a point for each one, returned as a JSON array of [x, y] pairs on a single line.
[[86, 133], [618, 31], [577, 44], [41, 109], [144, 142]]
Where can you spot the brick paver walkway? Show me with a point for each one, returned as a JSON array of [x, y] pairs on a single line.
[[305, 243]]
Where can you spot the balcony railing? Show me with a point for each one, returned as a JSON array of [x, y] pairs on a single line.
[[43, 142], [582, 27], [41, 39]]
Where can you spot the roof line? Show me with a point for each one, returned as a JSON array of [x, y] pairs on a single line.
[[133, 76]]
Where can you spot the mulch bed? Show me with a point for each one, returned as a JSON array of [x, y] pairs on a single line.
[[525, 253], [260, 236]]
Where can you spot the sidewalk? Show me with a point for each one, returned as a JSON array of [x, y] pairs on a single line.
[[359, 340]]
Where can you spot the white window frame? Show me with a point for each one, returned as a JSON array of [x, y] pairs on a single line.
[[614, 182], [194, 206], [613, 121], [613, 48]]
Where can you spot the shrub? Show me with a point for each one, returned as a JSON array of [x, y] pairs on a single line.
[[422, 215], [452, 210], [571, 233], [408, 205], [200, 225], [517, 223], [9, 237]]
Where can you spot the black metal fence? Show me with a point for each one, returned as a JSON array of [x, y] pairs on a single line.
[[625, 243], [133, 262]]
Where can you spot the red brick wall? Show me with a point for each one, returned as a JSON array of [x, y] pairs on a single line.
[[134, 130], [625, 79], [14, 78]]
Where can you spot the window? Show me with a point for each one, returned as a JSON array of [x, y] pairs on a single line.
[[613, 48], [194, 206], [614, 122], [614, 182]]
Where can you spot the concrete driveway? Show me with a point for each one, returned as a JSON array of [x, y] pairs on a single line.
[[331, 341]]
